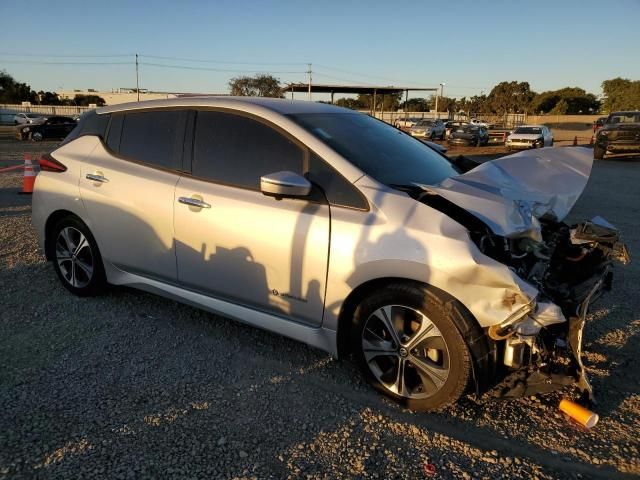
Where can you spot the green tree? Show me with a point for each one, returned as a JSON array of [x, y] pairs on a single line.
[[261, 85], [351, 103], [391, 101], [621, 94], [86, 100], [15, 92], [416, 105], [510, 97], [571, 100]]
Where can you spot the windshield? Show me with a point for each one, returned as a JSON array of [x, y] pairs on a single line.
[[624, 117], [424, 123], [378, 149], [529, 130]]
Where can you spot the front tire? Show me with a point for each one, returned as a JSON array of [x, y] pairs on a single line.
[[76, 258], [409, 348], [598, 152]]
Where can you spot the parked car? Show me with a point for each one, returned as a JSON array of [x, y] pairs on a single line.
[[451, 125], [406, 122], [619, 134], [530, 136], [328, 226], [46, 128], [473, 135], [480, 123], [22, 118], [428, 129], [597, 125]]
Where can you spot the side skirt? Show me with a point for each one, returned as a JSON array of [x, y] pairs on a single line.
[[321, 337]]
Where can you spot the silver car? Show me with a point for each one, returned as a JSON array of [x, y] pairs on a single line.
[[22, 118], [428, 129], [338, 230]]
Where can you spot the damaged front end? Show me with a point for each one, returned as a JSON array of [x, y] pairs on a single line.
[[513, 208], [571, 267]]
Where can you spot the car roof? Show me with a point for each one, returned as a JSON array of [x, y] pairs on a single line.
[[279, 105]]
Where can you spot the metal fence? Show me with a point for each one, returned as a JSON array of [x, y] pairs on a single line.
[[67, 110], [507, 121]]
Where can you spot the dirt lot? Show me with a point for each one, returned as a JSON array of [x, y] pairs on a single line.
[[130, 385]]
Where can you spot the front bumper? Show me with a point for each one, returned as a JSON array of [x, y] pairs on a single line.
[[420, 134], [622, 147], [524, 145]]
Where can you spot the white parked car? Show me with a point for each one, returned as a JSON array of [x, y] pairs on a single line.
[[530, 136], [22, 118], [406, 122], [479, 123]]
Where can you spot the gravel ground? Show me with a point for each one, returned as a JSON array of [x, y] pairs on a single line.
[[130, 385]]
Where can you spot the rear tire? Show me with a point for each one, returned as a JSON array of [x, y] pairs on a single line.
[[598, 152], [76, 258], [425, 363]]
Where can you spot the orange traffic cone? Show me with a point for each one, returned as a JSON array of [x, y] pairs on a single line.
[[29, 177], [575, 141]]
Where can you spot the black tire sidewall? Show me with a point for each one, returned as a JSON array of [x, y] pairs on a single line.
[[427, 302], [98, 280]]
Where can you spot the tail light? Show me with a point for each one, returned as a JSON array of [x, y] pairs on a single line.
[[50, 164]]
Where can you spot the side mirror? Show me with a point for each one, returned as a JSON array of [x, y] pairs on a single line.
[[284, 184]]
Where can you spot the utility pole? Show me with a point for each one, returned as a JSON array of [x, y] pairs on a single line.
[[309, 72], [137, 83]]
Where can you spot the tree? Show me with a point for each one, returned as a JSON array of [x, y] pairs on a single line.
[[261, 85], [621, 94], [570, 100], [510, 97], [351, 103], [416, 105], [14, 92], [391, 101], [86, 100]]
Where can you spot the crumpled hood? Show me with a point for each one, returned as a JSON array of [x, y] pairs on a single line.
[[511, 193]]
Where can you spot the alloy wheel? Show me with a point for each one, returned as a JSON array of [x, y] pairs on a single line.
[[74, 257], [405, 352]]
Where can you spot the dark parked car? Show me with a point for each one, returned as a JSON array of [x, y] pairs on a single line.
[[597, 125], [46, 128], [619, 134], [469, 135]]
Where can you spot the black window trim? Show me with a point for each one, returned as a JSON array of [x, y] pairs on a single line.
[[117, 155], [307, 152]]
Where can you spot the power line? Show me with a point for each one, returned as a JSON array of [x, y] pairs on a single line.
[[209, 69], [223, 62], [9, 54], [30, 62]]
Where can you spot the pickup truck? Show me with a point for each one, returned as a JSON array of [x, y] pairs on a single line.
[[619, 134]]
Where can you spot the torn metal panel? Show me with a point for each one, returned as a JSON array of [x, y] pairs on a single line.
[[512, 193]]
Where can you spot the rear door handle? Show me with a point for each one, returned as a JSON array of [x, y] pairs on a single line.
[[96, 178], [193, 202]]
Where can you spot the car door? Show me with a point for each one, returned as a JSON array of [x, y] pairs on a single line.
[[127, 187], [242, 246]]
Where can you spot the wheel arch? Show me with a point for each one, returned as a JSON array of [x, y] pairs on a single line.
[[482, 348], [52, 221]]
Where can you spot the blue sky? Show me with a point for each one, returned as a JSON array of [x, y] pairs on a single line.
[[469, 45]]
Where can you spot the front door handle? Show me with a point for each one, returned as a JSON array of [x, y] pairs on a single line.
[[96, 178], [194, 202]]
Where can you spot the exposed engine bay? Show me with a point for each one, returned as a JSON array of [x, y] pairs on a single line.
[[513, 210]]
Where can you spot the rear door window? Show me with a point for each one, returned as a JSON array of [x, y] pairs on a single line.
[[153, 137], [237, 150]]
